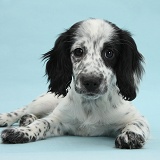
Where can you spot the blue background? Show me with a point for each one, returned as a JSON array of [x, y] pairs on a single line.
[[29, 28]]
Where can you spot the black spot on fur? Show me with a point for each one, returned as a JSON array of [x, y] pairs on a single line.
[[47, 124], [33, 139], [137, 125], [110, 98], [114, 106], [9, 115], [140, 124], [16, 114], [27, 134]]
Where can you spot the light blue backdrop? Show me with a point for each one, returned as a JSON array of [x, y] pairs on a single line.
[[28, 28]]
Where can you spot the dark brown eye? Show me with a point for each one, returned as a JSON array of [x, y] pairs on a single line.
[[78, 52], [109, 54]]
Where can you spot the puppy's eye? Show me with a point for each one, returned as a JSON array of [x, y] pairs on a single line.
[[78, 52], [108, 54]]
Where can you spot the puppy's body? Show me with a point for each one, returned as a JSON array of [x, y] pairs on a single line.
[[102, 66]]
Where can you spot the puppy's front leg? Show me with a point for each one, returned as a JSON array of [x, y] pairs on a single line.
[[39, 129]]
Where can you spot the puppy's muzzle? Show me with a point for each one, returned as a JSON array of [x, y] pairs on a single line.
[[91, 84]]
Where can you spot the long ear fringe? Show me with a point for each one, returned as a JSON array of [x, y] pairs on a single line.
[[59, 74], [130, 69], [59, 65]]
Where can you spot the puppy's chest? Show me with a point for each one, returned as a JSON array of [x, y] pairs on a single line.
[[91, 121]]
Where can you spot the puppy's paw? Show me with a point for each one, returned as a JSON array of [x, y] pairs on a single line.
[[129, 140], [7, 119], [27, 119], [16, 135]]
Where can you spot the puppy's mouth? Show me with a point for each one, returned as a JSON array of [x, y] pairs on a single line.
[[90, 95]]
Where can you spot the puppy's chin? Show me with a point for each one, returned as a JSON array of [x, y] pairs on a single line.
[[91, 96]]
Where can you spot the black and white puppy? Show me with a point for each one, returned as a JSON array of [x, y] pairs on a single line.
[[94, 70]]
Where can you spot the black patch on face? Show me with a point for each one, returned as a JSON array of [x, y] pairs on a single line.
[[112, 46]]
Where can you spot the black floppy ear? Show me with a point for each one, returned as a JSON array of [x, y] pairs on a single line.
[[59, 66], [129, 68]]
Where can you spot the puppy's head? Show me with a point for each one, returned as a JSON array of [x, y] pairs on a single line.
[[97, 55]]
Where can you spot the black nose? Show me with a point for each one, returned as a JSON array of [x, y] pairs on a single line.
[[91, 83]]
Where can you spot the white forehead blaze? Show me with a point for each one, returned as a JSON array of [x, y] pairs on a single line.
[[95, 29], [91, 36]]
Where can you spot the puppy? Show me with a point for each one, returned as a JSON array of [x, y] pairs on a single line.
[[93, 70]]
